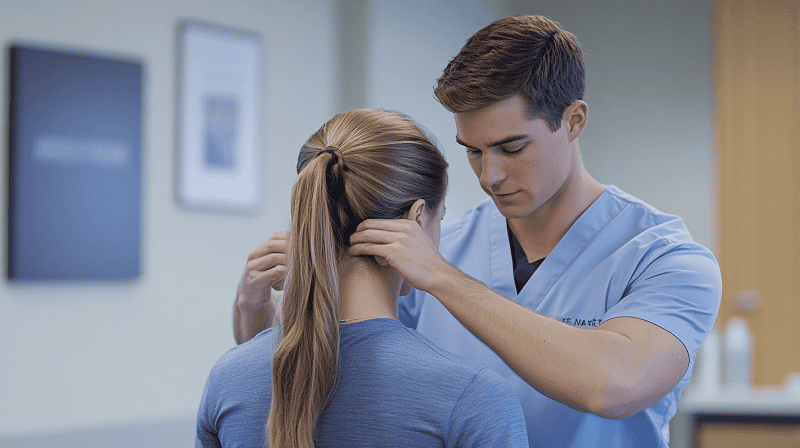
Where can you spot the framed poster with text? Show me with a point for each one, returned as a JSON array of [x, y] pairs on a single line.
[[218, 116], [74, 166]]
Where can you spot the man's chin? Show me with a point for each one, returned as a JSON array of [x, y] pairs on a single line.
[[511, 211]]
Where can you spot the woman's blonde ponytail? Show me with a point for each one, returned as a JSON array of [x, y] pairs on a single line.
[[306, 361]]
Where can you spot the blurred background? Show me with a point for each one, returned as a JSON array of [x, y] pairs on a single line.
[[686, 111]]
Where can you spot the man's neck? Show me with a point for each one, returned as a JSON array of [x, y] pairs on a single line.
[[539, 232]]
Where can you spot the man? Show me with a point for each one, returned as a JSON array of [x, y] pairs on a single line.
[[590, 302]]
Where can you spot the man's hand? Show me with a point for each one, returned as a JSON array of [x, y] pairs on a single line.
[[403, 245], [265, 269], [255, 307]]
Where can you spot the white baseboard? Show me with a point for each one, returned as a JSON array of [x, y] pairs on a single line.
[[172, 433]]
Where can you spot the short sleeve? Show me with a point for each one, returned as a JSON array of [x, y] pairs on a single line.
[[236, 401], [679, 291], [488, 414], [206, 433]]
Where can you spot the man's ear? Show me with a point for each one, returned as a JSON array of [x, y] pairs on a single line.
[[575, 116], [416, 211]]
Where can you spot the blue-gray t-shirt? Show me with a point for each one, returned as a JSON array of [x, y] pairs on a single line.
[[395, 389]]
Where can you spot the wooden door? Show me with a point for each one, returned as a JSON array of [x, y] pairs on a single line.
[[758, 115]]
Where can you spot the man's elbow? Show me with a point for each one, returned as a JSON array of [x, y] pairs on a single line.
[[616, 402], [615, 412]]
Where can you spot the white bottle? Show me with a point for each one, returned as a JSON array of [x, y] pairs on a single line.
[[707, 374], [738, 370]]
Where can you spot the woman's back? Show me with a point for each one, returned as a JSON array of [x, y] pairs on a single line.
[[395, 389]]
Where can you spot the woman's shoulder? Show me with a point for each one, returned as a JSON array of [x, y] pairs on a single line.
[[437, 357], [405, 349], [253, 355]]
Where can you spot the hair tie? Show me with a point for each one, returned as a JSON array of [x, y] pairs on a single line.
[[335, 171], [335, 152]]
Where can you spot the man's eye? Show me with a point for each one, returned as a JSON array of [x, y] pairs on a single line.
[[513, 149]]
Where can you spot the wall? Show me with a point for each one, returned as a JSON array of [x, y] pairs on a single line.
[[77, 355]]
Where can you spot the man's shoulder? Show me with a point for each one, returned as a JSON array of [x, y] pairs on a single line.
[[649, 234], [651, 215], [624, 214]]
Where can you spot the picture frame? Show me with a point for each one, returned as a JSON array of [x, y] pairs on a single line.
[[218, 92]]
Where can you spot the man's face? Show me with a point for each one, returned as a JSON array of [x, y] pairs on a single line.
[[519, 162]]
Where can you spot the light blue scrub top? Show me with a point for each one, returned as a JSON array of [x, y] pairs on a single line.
[[622, 257]]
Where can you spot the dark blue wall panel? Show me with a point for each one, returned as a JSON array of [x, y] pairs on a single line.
[[74, 166]]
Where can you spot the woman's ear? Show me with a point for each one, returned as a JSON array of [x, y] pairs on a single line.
[[416, 211]]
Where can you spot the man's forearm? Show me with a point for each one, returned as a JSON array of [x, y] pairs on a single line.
[[250, 319], [590, 370]]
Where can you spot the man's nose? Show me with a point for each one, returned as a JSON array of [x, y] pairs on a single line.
[[492, 172]]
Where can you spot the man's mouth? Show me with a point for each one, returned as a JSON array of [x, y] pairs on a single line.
[[503, 195]]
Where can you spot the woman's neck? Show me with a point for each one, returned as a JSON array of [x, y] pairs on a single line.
[[367, 290]]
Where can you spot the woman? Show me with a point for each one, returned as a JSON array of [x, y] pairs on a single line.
[[341, 370]]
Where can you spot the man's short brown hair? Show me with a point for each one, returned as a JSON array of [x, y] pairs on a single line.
[[529, 55]]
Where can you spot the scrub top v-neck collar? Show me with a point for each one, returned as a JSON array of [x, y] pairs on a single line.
[[582, 231]]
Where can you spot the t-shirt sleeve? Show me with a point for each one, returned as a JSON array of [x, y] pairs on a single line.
[[679, 291], [488, 414], [206, 435]]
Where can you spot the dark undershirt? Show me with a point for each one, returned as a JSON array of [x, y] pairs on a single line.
[[522, 268]]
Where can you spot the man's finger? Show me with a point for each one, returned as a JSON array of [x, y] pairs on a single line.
[[266, 262], [374, 236], [368, 249], [275, 243], [378, 252], [268, 247], [269, 275], [391, 225]]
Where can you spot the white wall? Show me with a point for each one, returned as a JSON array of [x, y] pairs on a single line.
[[81, 355], [649, 87]]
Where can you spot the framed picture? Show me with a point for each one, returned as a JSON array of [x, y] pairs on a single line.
[[218, 116], [74, 140]]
